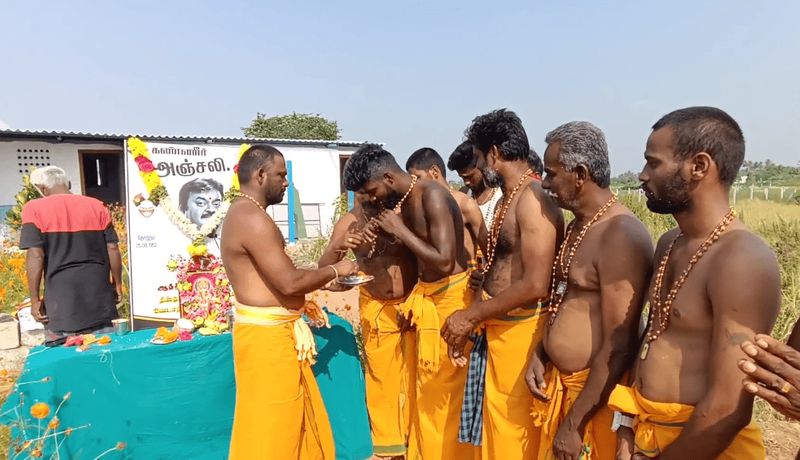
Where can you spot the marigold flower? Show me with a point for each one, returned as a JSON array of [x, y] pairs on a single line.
[[40, 410], [121, 445], [36, 453], [54, 423], [198, 250]]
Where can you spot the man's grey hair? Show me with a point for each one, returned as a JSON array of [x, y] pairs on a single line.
[[49, 176], [581, 142]]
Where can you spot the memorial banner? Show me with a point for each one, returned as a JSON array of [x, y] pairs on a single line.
[[178, 195]]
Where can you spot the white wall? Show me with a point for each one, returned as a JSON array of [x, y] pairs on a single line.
[[316, 175], [64, 155]]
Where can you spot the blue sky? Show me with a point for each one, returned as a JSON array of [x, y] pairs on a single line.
[[409, 74]]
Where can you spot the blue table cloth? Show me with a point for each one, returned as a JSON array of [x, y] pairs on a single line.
[[135, 400]]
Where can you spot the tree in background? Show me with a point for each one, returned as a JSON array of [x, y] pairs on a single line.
[[27, 193], [769, 173], [627, 180], [294, 126]]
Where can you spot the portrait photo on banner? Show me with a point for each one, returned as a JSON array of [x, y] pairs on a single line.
[[178, 195]]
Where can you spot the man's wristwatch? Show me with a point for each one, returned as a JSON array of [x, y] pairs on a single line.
[[621, 419]]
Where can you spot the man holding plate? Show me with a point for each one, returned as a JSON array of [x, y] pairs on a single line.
[[279, 411]]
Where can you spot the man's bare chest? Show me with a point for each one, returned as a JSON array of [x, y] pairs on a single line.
[[684, 307]]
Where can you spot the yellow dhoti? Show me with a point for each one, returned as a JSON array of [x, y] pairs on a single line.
[[387, 374], [658, 424], [436, 407], [279, 410], [599, 442], [508, 428]]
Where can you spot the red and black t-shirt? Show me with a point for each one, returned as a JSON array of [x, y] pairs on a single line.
[[73, 231]]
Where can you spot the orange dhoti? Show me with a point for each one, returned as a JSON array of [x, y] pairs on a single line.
[[387, 374], [436, 407], [599, 442], [508, 426], [658, 424], [279, 410]]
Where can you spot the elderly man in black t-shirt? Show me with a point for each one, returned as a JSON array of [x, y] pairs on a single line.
[[71, 241]]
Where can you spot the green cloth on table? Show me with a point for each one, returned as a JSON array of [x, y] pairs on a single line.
[[171, 401]]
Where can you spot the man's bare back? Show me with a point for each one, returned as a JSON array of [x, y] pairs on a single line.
[[252, 246], [246, 221], [432, 214], [576, 334], [475, 232]]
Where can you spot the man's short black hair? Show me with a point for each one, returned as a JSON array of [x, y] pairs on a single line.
[[369, 162], [462, 158], [535, 162], [710, 130], [197, 186], [502, 128], [424, 159], [257, 156]]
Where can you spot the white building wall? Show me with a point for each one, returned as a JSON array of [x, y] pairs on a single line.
[[64, 155]]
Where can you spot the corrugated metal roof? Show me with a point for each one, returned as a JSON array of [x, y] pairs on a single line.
[[19, 133]]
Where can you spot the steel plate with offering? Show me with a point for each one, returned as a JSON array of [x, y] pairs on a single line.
[[355, 280]]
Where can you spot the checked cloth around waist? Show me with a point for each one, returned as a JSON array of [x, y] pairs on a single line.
[[470, 428]]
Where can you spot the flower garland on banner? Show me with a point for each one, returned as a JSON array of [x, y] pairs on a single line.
[[159, 197]]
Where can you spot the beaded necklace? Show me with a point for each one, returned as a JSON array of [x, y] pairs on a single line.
[[559, 291], [244, 195], [396, 210], [497, 224], [664, 306]]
